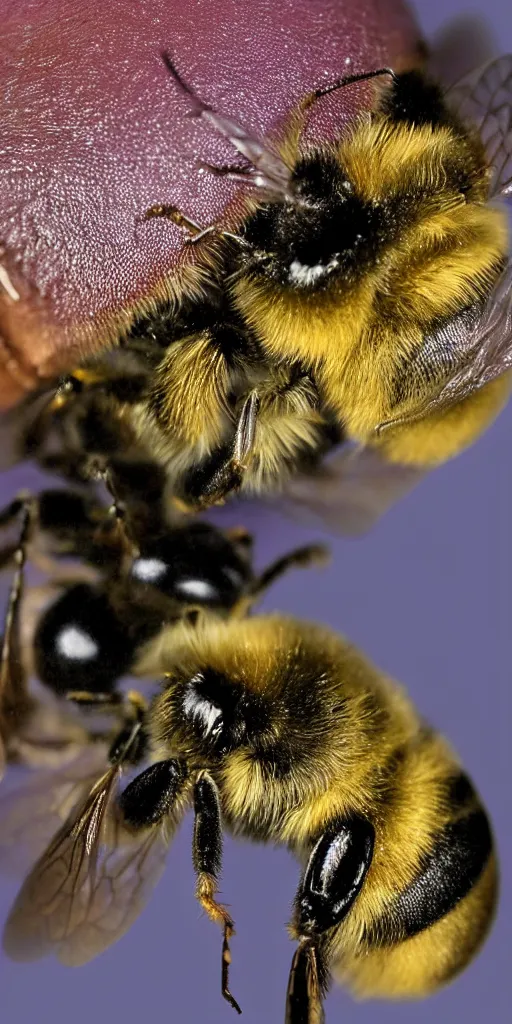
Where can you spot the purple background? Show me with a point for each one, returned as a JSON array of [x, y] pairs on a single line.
[[428, 596]]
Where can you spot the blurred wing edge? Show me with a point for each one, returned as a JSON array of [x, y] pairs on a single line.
[[351, 491]]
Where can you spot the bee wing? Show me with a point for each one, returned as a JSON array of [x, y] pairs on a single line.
[[89, 885], [32, 812], [14, 699], [270, 171], [350, 491], [480, 343], [484, 99], [48, 738]]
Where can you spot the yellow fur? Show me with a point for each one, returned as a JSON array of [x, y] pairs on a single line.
[[373, 756], [442, 435], [186, 415], [355, 350], [366, 334], [418, 966], [382, 158], [190, 386], [356, 337]]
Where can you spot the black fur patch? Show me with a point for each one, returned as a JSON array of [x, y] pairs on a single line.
[[415, 100], [446, 877]]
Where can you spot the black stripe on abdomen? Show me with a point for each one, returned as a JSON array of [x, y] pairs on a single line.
[[447, 875]]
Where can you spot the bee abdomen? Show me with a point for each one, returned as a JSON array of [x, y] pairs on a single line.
[[456, 861]]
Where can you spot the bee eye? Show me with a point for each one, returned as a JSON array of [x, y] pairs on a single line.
[[200, 709], [200, 589], [149, 570], [76, 644], [233, 575], [222, 713], [196, 564]]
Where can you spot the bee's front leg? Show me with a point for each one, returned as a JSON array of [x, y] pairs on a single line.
[[334, 876], [207, 854]]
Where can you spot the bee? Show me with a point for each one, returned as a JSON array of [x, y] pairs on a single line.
[[371, 277], [95, 270], [82, 629], [360, 301], [280, 731]]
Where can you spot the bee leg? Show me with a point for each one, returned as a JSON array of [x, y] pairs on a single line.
[[7, 516], [152, 794], [286, 411], [99, 701], [194, 231], [114, 531], [305, 993], [169, 212], [23, 503], [14, 697], [230, 476], [207, 855], [129, 705], [130, 742], [302, 558], [333, 878]]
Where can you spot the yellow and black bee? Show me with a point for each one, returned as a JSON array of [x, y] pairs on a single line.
[[136, 568], [373, 279], [280, 731], [359, 293]]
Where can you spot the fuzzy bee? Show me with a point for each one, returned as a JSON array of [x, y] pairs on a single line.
[[361, 301], [116, 574], [368, 288], [279, 731]]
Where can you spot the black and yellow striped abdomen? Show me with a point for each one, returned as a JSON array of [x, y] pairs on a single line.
[[407, 943]]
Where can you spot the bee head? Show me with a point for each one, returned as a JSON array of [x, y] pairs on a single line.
[[321, 232], [221, 714], [195, 564], [247, 685]]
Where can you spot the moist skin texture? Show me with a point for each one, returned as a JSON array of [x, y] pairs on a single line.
[[94, 132]]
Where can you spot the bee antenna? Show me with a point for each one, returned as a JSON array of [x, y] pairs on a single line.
[[198, 105], [268, 169], [350, 80]]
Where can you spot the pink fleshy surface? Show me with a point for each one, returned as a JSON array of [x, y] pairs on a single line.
[[94, 132]]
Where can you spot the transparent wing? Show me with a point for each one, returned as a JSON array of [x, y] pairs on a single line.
[[351, 490], [480, 342], [33, 811], [89, 886], [484, 99], [48, 738], [268, 169]]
